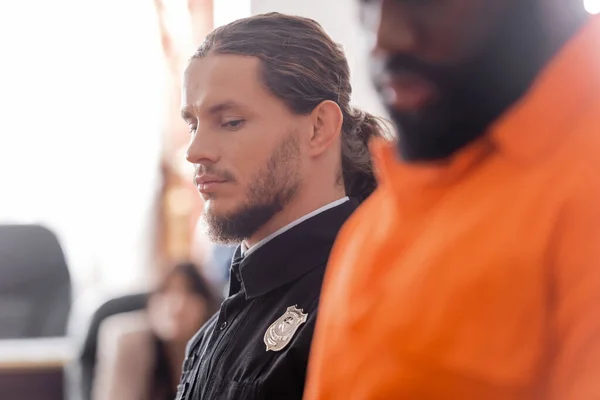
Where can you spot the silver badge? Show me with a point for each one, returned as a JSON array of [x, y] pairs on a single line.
[[280, 333]]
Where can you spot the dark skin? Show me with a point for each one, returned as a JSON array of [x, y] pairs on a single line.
[[446, 69]]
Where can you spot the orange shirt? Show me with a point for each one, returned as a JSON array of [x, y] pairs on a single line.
[[478, 278]]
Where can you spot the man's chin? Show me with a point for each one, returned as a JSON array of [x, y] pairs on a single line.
[[222, 226], [220, 208], [234, 225]]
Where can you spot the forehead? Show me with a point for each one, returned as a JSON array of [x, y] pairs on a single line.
[[441, 31], [220, 79]]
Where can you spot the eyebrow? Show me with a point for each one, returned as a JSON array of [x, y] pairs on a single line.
[[214, 109]]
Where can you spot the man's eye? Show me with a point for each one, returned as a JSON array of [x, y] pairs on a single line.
[[237, 123], [192, 129]]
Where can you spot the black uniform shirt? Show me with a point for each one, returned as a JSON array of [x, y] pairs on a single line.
[[228, 357]]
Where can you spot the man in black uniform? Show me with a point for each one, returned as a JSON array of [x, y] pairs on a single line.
[[281, 161]]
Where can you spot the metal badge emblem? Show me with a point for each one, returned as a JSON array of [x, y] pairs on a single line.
[[280, 333]]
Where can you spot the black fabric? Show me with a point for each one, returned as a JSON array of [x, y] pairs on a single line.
[[227, 359]]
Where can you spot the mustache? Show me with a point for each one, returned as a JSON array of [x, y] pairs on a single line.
[[223, 174], [401, 64]]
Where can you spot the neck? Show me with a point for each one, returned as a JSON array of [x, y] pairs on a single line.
[[306, 201]]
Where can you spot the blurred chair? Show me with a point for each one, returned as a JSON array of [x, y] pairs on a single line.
[[35, 285], [88, 353]]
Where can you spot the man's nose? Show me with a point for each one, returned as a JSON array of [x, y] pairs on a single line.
[[202, 148]]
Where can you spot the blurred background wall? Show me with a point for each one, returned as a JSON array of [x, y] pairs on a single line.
[[82, 103]]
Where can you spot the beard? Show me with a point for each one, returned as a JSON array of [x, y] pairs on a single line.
[[475, 92], [273, 187]]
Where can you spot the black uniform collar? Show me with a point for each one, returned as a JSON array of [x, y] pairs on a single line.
[[290, 255]]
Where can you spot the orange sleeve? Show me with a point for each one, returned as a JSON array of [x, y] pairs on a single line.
[[349, 245], [576, 294]]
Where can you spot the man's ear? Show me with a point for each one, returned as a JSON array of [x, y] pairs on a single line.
[[327, 120]]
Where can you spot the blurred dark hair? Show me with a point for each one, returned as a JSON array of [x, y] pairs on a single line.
[[303, 66], [164, 388], [198, 284]]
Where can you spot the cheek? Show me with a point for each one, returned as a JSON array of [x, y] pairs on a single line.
[[470, 27], [246, 168], [248, 161], [451, 31], [226, 200]]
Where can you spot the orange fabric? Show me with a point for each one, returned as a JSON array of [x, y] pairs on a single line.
[[478, 278]]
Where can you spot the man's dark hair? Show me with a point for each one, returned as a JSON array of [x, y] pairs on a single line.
[[303, 66]]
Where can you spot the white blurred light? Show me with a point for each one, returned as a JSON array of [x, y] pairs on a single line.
[[226, 11], [82, 93], [592, 6]]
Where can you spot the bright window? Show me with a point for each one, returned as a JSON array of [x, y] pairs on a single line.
[[592, 6], [81, 100], [226, 11]]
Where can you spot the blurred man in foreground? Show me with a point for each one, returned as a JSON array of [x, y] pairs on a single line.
[[282, 161], [473, 270]]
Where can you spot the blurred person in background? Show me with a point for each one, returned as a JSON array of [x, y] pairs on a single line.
[[140, 355], [281, 161], [472, 271]]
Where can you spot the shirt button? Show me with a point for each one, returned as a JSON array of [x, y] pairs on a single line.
[[223, 325]]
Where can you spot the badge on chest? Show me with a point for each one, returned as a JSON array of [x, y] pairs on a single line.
[[281, 332]]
